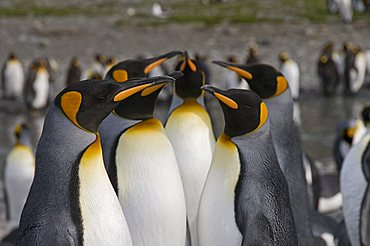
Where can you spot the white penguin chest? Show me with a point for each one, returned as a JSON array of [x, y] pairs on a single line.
[[102, 218], [41, 88], [14, 78], [149, 186], [216, 217]]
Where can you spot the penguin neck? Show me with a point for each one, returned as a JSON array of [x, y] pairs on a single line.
[[280, 111]]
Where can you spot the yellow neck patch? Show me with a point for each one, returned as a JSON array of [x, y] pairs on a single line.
[[120, 75], [153, 65], [70, 103], [92, 152], [241, 72], [282, 85], [225, 140], [228, 101], [129, 92], [150, 90]]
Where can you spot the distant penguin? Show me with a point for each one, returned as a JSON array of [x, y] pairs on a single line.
[[71, 201], [144, 168], [18, 174], [12, 78], [362, 125], [343, 141], [273, 88], [189, 129], [328, 68], [289, 68], [354, 183], [37, 88], [112, 127], [74, 71], [355, 70], [245, 200], [253, 56], [111, 61], [97, 68]]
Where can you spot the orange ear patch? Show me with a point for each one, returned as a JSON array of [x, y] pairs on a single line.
[[151, 66], [282, 85], [70, 103], [227, 101], [129, 92], [192, 65], [263, 114], [120, 75]]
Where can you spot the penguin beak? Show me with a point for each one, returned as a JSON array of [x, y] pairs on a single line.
[[189, 62], [221, 96], [161, 83], [239, 69], [154, 62], [140, 85]]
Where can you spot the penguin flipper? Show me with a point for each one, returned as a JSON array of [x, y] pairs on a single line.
[[364, 219]]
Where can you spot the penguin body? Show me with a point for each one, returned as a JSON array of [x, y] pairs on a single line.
[[189, 129], [354, 188], [273, 88], [144, 169], [329, 74], [357, 72], [18, 175], [74, 71], [149, 186], [12, 78], [71, 201], [245, 199], [37, 86]]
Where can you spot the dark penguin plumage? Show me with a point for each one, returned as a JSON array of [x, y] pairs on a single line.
[[273, 88], [245, 200], [114, 125], [327, 71], [74, 71], [71, 201]]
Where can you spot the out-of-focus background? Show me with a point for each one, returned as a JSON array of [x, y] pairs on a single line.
[[214, 30]]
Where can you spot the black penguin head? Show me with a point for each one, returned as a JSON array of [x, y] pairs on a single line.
[[88, 102], [140, 105], [21, 130], [244, 111], [137, 68], [263, 79], [366, 114], [188, 86], [12, 56], [75, 61], [283, 57]]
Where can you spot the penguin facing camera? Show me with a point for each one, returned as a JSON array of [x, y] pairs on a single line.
[[12, 78], [289, 68]]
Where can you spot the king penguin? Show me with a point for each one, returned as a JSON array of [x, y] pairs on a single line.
[[71, 201], [12, 78], [37, 88], [290, 69], [112, 127], [190, 131], [74, 71], [18, 174], [147, 177], [354, 185], [245, 199], [273, 88]]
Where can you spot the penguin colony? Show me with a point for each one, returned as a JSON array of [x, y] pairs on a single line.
[[107, 172]]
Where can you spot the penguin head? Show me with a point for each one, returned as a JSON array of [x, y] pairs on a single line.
[[12, 56], [140, 105], [365, 114], [263, 79], [244, 111], [75, 61], [87, 103], [188, 86], [21, 132], [99, 58], [137, 68], [283, 57]]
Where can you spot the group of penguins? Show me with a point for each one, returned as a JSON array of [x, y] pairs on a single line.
[[346, 68], [106, 172]]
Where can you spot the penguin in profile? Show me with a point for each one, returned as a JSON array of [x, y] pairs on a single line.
[[290, 69], [329, 67], [37, 89], [114, 125], [144, 169], [18, 174], [12, 78], [189, 129], [245, 199], [74, 71], [354, 184], [273, 88], [355, 68], [71, 200]]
